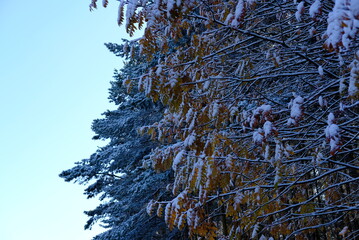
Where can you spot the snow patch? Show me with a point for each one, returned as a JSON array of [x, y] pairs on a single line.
[[190, 139], [354, 79], [296, 111], [258, 137], [315, 9], [332, 134], [177, 160], [300, 11]]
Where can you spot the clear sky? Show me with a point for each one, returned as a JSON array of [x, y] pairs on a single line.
[[54, 76]]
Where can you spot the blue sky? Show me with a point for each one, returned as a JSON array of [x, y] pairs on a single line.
[[54, 76]]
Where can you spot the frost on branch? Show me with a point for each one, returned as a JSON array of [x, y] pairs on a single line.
[[150, 207], [296, 110], [353, 88], [260, 115], [268, 128], [315, 9], [300, 11], [239, 13], [120, 17], [343, 25], [190, 139], [227, 137], [258, 137], [177, 160], [332, 133], [344, 231], [255, 231]]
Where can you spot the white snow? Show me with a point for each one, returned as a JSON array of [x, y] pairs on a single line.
[[190, 139], [332, 130], [159, 70], [228, 18], [172, 81], [332, 133], [190, 217], [300, 11], [319, 158], [149, 207], [238, 13], [255, 230], [170, 5], [125, 47], [315, 9], [237, 199], [334, 24], [268, 128], [191, 126], [180, 221], [291, 122], [288, 150], [342, 23], [179, 197], [265, 108], [342, 106], [167, 211], [331, 119], [239, 9], [229, 161], [258, 136], [148, 85], [312, 31], [264, 111], [354, 6], [198, 165], [296, 110], [130, 11], [266, 153], [263, 237], [215, 109], [354, 78], [189, 115], [177, 160], [343, 231]]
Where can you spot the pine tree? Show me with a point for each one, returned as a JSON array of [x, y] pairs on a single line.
[[120, 172]]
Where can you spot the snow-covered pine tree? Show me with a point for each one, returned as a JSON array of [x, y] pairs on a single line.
[[120, 173]]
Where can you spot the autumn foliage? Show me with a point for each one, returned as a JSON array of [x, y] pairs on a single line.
[[261, 114]]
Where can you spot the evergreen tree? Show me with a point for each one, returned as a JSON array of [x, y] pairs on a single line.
[[120, 173]]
